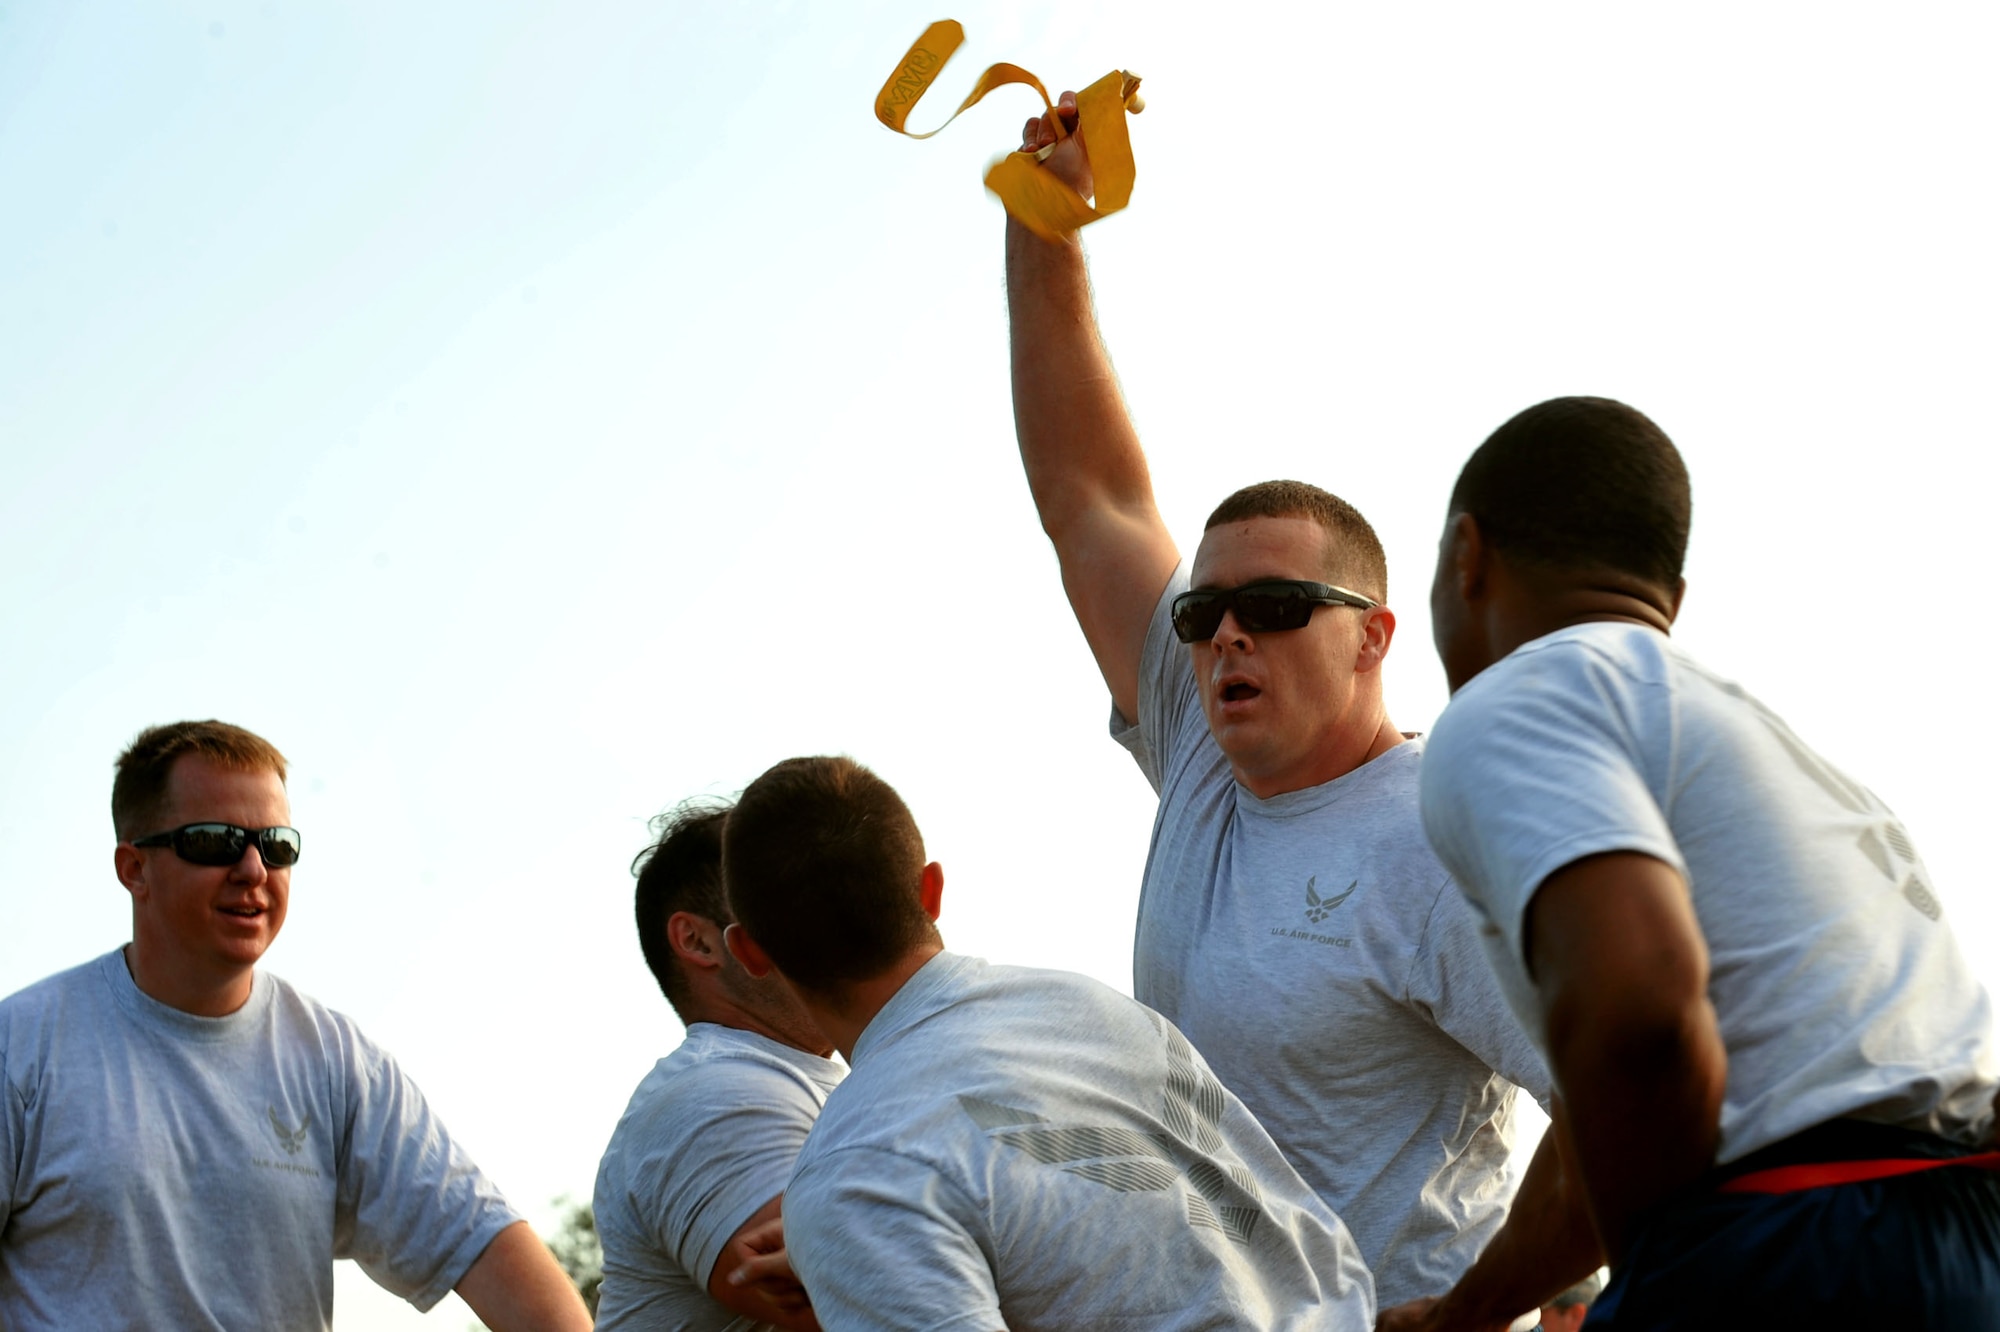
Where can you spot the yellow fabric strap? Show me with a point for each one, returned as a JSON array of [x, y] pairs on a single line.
[[1043, 203]]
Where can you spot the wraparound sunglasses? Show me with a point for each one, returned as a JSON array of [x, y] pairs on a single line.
[[225, 843], [1266, 606]]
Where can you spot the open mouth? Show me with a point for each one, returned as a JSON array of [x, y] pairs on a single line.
[[242, 912], [1238, 691]]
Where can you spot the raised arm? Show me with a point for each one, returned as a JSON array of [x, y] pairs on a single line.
[[1085, 468]]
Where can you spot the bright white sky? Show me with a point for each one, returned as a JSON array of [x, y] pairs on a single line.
[[529, 415]]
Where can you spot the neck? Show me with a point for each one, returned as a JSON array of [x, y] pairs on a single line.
[[844, 1016], [190, 991], [1345, 750], [785, 1029], [1523, 620]]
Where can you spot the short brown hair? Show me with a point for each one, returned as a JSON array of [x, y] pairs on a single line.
[[139, 791], [680, 871], [823, 865], [1353, 551]]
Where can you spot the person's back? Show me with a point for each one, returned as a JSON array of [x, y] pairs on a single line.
[[1778, 1078], [1034, 1146], [1014, 1149], [705, 1142], [1837, 990]]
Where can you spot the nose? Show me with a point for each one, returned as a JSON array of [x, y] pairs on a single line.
[[1229, 634], [250, 868]]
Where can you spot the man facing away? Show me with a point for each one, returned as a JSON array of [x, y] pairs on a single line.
[[694, 1172], [1293, 921], [188, 1142], [1777, 1071], [1015, 1149]]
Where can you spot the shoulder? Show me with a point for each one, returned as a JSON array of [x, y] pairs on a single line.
[[31, 1002], [72, 1003], [1604, 674]]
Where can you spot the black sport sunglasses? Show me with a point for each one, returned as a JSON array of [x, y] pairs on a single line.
[[225, 843], [1261, 607]]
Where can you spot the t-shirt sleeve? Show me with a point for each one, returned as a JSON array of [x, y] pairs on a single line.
[[721, 1147], [1452, 978], [1168, 700], [885, 1244], [410, 1207], [1536, 768]]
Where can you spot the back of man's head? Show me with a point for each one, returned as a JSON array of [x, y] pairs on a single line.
[[680, 871], [1354, 556], [824, 868], [139, 792], [1581, 485]]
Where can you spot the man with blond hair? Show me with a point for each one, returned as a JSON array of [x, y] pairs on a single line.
[[186, 1141]]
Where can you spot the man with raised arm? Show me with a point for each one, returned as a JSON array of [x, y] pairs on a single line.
[[186, 1141], [695, 1170], [1778, 1073], [1015, 1149], [1293, 921]]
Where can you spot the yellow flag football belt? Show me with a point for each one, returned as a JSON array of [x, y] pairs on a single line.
[[1043, 203]]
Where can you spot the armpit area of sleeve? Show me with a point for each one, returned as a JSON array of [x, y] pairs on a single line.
[[883, 1243], [1512, 916], [494, 1217]]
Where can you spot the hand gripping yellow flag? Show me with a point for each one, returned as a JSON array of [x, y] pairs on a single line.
[[1043, 203]]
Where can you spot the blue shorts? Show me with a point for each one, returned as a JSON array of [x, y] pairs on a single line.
[[1914, 1251]]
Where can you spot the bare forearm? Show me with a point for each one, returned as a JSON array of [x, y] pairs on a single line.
[[516, 1286], [1547, 1245], [1077, 442]]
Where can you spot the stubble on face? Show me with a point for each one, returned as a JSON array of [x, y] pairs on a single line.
[[199, 930], [1274, 700]]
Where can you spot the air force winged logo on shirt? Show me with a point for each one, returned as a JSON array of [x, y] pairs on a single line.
[[1318, 907], [292, 1140], [1220, 1196]]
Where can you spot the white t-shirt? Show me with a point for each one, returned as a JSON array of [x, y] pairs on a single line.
[[1032, 1150], [162, 1170], [708, 1138], [1837, 984], [1319, 957]]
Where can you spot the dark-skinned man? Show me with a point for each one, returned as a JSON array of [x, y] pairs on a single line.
[[1293, 920], [1777, 1074]]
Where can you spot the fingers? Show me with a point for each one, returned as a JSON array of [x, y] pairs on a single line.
[[769, 1237], [1040, 131], [774, 1266]]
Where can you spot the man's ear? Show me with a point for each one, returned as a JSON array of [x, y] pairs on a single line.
[[930, 889], [696, 940], [130, 863], [1680, 591], [1469, 553], [747, 952], [1378, 628]]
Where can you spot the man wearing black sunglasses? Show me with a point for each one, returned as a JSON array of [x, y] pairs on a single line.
[[1293, 921], [187, 1141]]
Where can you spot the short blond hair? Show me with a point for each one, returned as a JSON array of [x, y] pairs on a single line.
[[139, 791]]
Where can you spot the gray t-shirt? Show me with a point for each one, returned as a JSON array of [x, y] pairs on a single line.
[[1837, 984], [1319, 957], [708, 1138], [161, 1170], [1032, 1150]]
